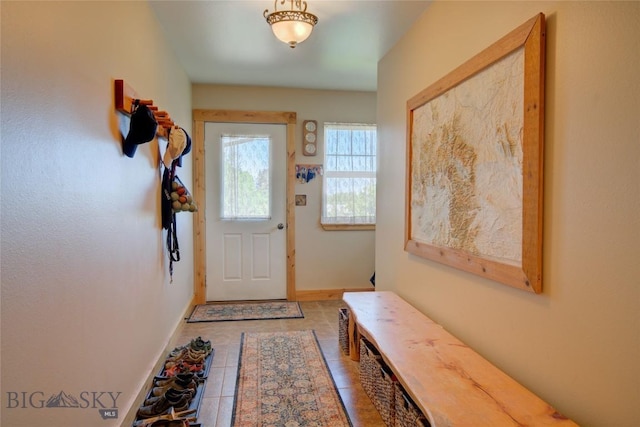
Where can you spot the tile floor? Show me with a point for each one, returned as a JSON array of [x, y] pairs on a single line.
[[322, 316]]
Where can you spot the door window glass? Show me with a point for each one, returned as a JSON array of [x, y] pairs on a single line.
[[246, 177]]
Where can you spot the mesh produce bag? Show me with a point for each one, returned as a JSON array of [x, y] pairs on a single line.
[[181, 199]]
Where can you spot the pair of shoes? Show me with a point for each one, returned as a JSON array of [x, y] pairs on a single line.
[[195, 356], [178, 350], [196, 348], [171, 395], [189, 356], [181, 368], [173, 371], [163, 404], [201, 345], [183, 378], [196, 368], [176, 384], [176, 354]]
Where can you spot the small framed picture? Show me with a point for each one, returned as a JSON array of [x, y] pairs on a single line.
[[301, 200]]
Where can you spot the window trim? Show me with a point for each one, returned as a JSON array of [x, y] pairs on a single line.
[[350, 227]]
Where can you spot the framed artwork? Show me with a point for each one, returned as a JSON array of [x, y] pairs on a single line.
[[474, 180]]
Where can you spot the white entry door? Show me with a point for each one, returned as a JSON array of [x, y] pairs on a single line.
[[245, 173]]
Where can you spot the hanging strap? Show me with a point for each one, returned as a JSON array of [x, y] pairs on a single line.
[[172, 245], [172, 233]]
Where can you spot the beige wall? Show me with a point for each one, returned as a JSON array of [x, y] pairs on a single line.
[[86, 301], [577, 345], [324, 259]]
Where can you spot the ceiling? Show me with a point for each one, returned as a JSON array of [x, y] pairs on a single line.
[[230, 43]]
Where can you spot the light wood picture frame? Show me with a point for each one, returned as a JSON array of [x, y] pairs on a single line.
[[475, 144]]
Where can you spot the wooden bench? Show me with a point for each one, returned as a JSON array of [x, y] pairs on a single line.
[[450, 383]]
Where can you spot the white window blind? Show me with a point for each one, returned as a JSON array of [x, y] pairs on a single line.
[[349, 180]]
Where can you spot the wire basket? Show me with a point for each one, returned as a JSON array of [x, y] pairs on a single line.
[[370, 360], [407, 412], [377, 381], [384, 394], [343, 330]]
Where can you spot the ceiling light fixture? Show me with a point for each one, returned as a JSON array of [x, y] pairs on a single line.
[[291, 26]]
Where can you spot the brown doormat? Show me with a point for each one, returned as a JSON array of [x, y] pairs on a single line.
[[246, 311], [283, 380]]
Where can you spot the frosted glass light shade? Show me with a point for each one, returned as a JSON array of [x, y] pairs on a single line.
[[292, 32], [291, 26]]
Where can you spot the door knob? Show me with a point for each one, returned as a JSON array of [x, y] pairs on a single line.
[[280, 226]]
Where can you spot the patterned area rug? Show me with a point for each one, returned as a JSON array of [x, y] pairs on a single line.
[[283, 380], [246, 311]]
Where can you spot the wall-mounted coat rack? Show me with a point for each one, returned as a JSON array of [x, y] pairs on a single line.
[[125, 96]]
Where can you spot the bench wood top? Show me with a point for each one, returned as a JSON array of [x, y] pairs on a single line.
[[452, 384]]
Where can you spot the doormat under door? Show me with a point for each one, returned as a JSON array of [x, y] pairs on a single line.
[[284, 380], [246, 311]]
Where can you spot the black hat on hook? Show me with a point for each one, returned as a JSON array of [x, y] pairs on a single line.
[[142, 129]]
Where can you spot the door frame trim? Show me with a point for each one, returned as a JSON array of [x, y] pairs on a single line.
[[200, 117]]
